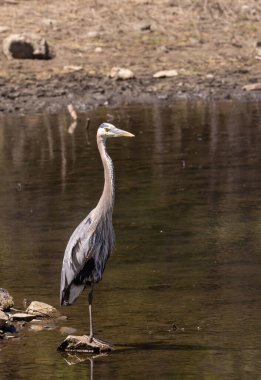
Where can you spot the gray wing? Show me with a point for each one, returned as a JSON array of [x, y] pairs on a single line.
[[77, 258]]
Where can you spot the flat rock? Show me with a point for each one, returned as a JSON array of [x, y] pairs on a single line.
[[81, 343], [41, 309], [3, 319], [6, 300], [22, 317], [121, 73], [165, 74], [26, 46]]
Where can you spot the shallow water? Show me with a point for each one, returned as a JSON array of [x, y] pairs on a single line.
[[180, 297]]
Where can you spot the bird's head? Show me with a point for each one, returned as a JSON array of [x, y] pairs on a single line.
[[106, 130]]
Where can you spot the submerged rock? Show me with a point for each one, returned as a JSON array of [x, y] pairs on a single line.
[[41, 309], [40, 325], [6, 300], [81, 343], [26, 46], [36, 328], [67, 330]]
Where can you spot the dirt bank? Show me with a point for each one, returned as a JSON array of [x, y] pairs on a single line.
[[213, 46]]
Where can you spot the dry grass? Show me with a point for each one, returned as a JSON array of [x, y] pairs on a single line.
[[194, 36]]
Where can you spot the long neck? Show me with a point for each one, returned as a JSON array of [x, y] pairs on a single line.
[[106, 201]]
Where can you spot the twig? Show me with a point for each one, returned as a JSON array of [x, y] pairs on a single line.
[[87, 125]]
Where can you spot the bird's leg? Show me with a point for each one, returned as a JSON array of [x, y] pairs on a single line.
[[90, 297]]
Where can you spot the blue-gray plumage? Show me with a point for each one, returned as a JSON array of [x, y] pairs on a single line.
[[92, 242]]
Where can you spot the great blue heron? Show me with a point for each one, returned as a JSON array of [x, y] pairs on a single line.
[[92, 242]]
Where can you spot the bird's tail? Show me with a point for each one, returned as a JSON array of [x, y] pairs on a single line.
[[70, 294]]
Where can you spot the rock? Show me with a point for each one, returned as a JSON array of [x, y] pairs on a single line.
[[3, 29], [252, 87], [93, 34], [71, 68], [143, 26], [75, 343], [22, 317], [36, 328], [121, 73], [3, 319], [165, 74], [6, 300], [41, 309], [26, 46], [67, 330], [98, 49], [62, 318]]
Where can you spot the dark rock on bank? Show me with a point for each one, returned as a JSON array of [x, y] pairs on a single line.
[[26, 46]]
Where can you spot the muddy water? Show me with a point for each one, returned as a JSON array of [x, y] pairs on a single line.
[[181, 295]]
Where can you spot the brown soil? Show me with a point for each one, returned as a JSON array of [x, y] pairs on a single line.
[[213, 45]]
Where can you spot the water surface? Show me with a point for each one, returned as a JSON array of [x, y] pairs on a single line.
[[180, 297]]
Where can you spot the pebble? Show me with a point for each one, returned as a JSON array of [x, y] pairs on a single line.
[[165, 74], [93, 34], [121, 73], [98, 49]]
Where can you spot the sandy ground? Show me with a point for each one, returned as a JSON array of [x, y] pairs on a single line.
[[213, 45]]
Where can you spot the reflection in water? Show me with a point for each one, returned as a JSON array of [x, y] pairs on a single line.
[[72, 358], [187, 223]]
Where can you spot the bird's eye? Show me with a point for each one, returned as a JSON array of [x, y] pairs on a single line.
[[106, 129]]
